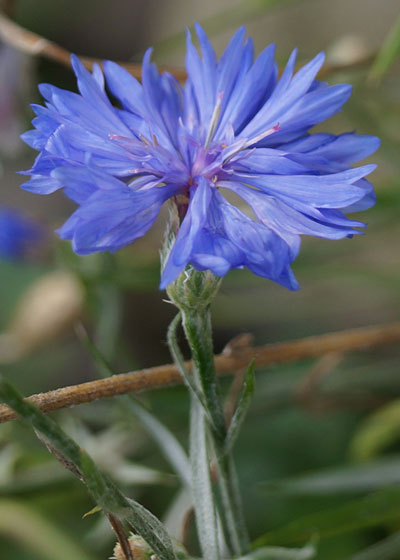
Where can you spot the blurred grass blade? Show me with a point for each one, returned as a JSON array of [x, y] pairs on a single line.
[[240, 13], [103, 491], [241, 409], [379, 430], [387, 549], [36, 534], [372, 511], [278, 553], [202, 491], [104, 367], [165, 439], [388, 53], [345, 480]]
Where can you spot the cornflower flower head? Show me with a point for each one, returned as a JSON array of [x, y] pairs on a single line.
[[17, 234], [234, 127]]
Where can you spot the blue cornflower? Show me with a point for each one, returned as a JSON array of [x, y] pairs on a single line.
[[234, 128], [17, 234]]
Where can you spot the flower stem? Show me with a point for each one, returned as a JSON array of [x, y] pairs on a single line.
[[197, 327]]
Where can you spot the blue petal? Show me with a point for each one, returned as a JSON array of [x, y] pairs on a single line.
[[287, 221], [336, 190], [113, 218], [248, 97]]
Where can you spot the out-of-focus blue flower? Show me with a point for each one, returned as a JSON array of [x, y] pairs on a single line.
[[234, 128], [17, 234]]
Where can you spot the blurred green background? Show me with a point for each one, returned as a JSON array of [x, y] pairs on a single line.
[[332, 448]]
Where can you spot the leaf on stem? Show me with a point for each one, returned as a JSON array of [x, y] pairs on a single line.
[[102, 489], [202, 491], [241, 409]]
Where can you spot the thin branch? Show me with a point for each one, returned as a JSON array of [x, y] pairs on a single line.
[[225, 363], [308, 387], [8, 7], [36, 45]]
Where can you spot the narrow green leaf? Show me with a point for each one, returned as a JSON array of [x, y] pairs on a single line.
[[387, 549], [143, 523], [41, 423], [278, 553], [388, 53], [104, 368], [202, 491], [104, 492], [373, 510], [165, 439], [346, 480], [241, 409]]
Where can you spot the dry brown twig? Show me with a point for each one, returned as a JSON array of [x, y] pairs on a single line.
[[35, 45], [226, 363]]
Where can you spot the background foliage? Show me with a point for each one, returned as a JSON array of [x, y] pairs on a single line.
[[318, 458]]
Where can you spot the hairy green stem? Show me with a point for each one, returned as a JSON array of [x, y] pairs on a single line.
[[197, 327]]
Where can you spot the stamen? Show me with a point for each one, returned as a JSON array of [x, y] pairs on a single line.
[[263, 135], [245, 144], [144, 140], [214, 120]]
